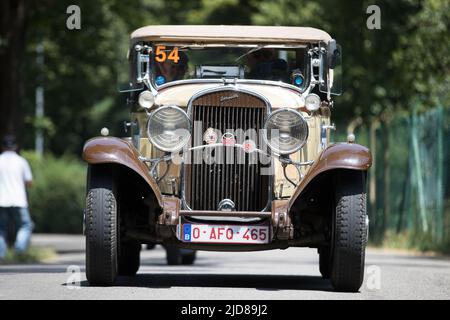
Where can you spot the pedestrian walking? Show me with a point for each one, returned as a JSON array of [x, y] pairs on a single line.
[[15, 177]]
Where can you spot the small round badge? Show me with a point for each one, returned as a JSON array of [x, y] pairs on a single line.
[[160, 80], [228, 139], [249, 146], [210, 136]]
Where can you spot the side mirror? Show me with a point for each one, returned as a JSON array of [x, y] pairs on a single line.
[[331, 68], [142, 61], [333, 54]]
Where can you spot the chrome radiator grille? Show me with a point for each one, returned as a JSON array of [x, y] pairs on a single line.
[[241, 181]]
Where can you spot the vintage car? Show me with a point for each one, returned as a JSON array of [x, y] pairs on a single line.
[[228, 149]]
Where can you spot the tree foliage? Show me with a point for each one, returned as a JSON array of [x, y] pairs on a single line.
[[57, 196], [384, 70]]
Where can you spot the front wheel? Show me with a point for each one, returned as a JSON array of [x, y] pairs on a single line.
[[101, 237], [349, 231]]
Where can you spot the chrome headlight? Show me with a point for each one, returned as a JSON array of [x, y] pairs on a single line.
[[286, 131], [169, 128]]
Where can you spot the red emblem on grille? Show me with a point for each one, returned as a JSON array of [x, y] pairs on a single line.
[[228, 139]]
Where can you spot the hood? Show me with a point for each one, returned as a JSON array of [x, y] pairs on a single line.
[[278, 97]]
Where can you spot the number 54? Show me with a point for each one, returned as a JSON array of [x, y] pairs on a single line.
[[161, 55]]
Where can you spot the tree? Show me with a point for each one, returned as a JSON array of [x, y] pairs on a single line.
[[12, 40], [84, 67]]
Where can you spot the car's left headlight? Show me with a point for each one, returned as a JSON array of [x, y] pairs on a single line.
[[169, 128], [286, 131]]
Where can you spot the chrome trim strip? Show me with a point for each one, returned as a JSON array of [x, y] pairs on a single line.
[[235, 81], [210, 213]]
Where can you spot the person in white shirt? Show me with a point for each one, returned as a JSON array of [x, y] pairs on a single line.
[[15, 176]]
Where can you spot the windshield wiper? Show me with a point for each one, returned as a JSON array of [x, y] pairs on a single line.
[[249, 52]]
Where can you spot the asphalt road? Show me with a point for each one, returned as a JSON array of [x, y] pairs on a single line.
[[288, 274]]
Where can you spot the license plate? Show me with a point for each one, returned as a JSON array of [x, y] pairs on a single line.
[[204, 233]]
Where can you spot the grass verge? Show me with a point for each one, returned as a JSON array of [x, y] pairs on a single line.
[[32, 255], [418, 243]]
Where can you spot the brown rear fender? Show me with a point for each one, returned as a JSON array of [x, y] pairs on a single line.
[[337, 156], [118, 151]]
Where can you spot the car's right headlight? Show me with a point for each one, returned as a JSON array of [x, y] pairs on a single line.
[[286, 131], [169, 128]]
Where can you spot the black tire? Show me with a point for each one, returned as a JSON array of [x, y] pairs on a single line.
[[325, 262], [129, 258], [101, 237], [349, 231], [189, 258], [173, 256], [176, 256]]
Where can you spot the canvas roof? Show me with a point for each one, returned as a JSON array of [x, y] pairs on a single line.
[[233, 34]]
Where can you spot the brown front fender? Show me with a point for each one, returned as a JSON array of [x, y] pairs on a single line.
[[337, 156], [114, 150]]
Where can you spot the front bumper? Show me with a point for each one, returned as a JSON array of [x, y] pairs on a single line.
[[279, 219]]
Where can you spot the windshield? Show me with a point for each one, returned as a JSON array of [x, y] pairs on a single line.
[[173, 62]]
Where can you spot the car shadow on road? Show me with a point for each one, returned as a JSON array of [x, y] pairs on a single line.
[[258, 282]]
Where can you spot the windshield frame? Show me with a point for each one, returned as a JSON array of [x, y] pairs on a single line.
[[257, 46]]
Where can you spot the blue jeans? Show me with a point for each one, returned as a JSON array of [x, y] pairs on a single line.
[[24, 227]]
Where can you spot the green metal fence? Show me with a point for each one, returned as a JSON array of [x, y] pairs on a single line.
[[408, 185]]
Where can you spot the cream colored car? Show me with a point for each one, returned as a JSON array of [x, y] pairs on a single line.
[[228, 149]]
